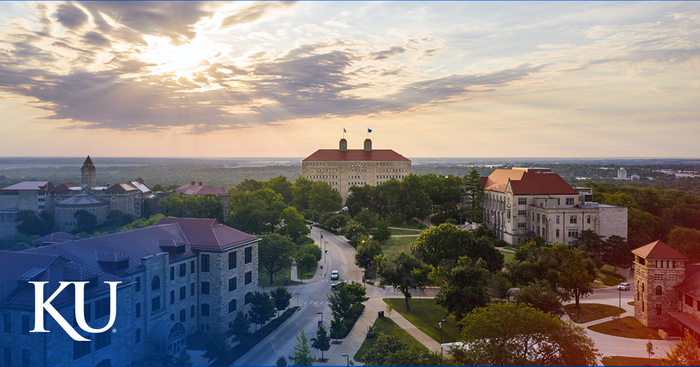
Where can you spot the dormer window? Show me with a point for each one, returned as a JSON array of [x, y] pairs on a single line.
[[180, 249]]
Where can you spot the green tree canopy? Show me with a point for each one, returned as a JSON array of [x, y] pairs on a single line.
[[275, 253], [366, 251], [86, 221], [294, 224], [683, 353], [444, 244], [405, 273], [263, 306], [686, 241], [508, 334], [192, 206], [282, 186], [322, 341], [577, 274], [354, 232], [256, 212], [302, 353], [31, 225], [464, 287], [281, 297], [540, 295], [474, 195], [142, 223]]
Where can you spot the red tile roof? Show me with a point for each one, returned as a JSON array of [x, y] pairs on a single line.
[[88, 161], [63, 187], [204, 233], [529, 181], [55, 237], [690, 286], [658, 250], [356, 155], [199, 189], [121, 187]]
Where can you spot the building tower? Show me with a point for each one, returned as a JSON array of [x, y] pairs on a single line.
[[87, 174], [368, 145], [343, 145], [622, 173], [657, 269]]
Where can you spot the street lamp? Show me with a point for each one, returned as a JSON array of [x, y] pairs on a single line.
[[347, 359], [443, 320]]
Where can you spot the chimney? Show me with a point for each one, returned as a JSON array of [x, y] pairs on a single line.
[[200, 183], [192, 183]]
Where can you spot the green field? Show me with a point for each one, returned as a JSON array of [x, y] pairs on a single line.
[[385, 326], [404, 232], [507, 256], [394, 245], [626, 327], [425, 314], [591, 311]]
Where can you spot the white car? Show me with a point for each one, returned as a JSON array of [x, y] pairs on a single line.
[[335, 275], [623, 286]]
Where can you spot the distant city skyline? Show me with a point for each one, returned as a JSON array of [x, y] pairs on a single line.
[[279, 79]]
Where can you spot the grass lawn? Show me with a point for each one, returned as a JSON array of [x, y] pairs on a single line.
[[411, 225], [403, 232], [626, 327], [630, 361], [394, 245], [306, 273], [385, 326], [425, 314], [507, 256], [264, 279], [591, 311]]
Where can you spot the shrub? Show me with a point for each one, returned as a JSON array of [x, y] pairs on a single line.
[[349, 321]]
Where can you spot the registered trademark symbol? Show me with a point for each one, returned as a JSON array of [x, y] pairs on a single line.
[[114, 331]]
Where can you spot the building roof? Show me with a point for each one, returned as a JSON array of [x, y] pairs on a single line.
[[64, 187], [528, 181], [140, 185], [691, 286], [55, 237], [88, 161], [199, 189], [356, 155], [205, 233], [84, 198], [28, 186], [658, 250], [121, 187]]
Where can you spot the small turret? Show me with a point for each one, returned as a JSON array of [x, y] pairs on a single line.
[[368, 145], [343, 145]]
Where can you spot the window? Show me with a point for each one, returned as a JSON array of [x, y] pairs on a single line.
[[522, 225], [80, 349], [232, 306], [248, 277], [25, 324], [557, 219], [248, 297], [172, 317], [659, 290], [205, 287], [7, 324], [232, 260], [103, 339], [192, 289], [183, 292], [155, 304], [192, 311], [155, 283], [183, 315], [588, 219], [205, 263], [101, 308], [248, 255], [137, 338], [172, 273], [172, 297], [659, 309], [569, 201], [556, 233], [573, 219], [232, 284], [138, 284], [137, 310], [192, 266], [658, 276], [183, 270], [522, 201], [205, 309], [573, 232], [25, 358], [522, 213], [688, 300]]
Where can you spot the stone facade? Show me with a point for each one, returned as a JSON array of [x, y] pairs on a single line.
[[654, 292]]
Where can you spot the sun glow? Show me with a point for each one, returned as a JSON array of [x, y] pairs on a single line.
[[182, 60]]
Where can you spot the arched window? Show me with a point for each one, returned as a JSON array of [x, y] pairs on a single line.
[[658, 290], [155, 283], [248, 297]]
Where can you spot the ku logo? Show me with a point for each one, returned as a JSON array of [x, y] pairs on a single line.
[[40, 306]]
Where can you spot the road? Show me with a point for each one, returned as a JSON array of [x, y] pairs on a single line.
[[312, 297]]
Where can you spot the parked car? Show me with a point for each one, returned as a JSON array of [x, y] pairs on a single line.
[[335, 275], [334, 286], [623, 286]]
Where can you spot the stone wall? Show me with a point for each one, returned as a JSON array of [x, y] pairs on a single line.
[[647, 277]]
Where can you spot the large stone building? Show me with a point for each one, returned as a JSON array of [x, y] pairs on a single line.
[[179, 276], [666, 289], [523, 202], [344, 168]]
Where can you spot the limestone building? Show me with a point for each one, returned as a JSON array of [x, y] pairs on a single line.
[[524, 202], [344, 168], [667, 289], [179, 276]]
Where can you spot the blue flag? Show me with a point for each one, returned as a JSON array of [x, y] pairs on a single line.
[[369, 130]]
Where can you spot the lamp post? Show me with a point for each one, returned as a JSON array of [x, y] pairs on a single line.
[[347, 359], [443, 320]]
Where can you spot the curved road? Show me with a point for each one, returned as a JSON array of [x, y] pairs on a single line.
[[312, 297]]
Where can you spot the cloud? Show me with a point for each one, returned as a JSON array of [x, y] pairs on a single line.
[[96, 39], [70, 16], [252, 13], [392, 51]]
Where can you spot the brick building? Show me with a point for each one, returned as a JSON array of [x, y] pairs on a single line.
[[523, 202], [179, 276], [344, 168], [666, 289]]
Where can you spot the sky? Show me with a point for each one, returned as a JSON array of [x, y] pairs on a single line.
[[283, 79]]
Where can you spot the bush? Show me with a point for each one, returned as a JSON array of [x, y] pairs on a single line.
[[451, 221], [349, 321]]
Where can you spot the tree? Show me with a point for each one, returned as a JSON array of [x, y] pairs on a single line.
[[507, 334], [118, 216], [618, 252], [281, 297], [217, 346], [142, 223], [405, 273], [275, 253], [262, 307], [501, 285], [686, 241], [281, 362], [540, 295], [474, 194], [302, 353], [31, 225], [464, 287], [683, 353], [650, 347], [183, 359], [294, 224], [366, 251], [192, 206], [249, 185], [592, 241], [322, 341], [256, 212], [85, 220], [324, 198], [282, 186], [445, 244], [241, 326], [577, 273], [382, 349], [382, 233], [353, 231]]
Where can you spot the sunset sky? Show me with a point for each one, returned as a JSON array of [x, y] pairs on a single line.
[[282, 79]]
